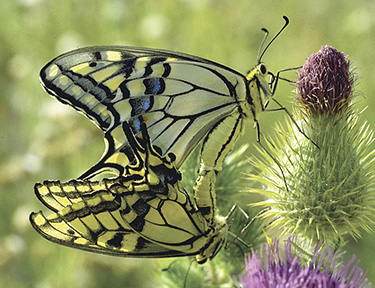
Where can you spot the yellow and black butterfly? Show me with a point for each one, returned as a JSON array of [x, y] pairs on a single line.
[[144, 214], [182, 99]]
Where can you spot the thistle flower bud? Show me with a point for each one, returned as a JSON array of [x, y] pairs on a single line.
[[321, 193], [325, 82]]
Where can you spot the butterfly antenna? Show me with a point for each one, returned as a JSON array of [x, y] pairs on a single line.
[[260, 54]]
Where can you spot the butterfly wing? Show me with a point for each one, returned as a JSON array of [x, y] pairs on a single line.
[[146, 214], [92, 222], [122, 217], [179, 97]]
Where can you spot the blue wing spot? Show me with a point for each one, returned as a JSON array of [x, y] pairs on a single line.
[[154, 86], [135, 124], [141, 105]]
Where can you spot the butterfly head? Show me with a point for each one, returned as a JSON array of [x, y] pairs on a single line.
[[259, 88]]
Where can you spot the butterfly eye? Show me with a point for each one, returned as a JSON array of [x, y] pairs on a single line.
[[263, 69]]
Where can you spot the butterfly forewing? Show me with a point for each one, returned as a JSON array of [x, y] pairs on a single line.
[[174, 94]]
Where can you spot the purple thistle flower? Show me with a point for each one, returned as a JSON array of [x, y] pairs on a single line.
[[325, 81], [275, 272]]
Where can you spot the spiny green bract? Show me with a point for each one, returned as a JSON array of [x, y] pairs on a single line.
[[330, 190], [323, 186]]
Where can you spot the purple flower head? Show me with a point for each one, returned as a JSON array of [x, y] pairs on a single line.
[[274, 271], [325, 82]]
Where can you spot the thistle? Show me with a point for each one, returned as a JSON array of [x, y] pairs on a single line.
[[276, 269], [323, 185]]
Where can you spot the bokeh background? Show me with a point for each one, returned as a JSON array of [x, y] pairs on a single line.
[[41, 139]]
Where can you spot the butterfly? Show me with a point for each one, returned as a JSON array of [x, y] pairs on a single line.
[[147, 213], [182, 99]]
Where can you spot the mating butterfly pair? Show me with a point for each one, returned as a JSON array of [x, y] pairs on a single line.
[[154, 107]]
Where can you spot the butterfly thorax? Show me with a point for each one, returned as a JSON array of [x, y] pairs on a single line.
[[259, 89]]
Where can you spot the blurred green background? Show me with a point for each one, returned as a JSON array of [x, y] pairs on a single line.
[[41, 139]]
